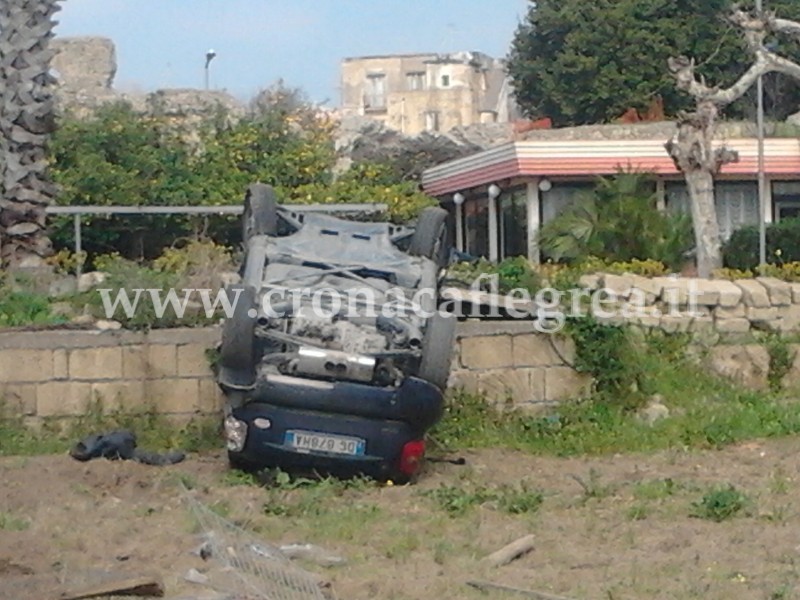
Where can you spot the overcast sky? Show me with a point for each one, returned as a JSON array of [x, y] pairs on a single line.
[[162, 43]]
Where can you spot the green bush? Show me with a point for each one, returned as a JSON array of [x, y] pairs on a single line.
[[720, 504], [22, 308], [512, 273], [741, 251], [618, 221]]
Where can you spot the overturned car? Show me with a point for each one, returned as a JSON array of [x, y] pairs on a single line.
[[337, 353]]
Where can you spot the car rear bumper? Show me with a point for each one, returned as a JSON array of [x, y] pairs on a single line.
[[265, 443]]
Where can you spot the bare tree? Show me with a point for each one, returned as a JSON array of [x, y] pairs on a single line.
[[26, 122], [692, 149]]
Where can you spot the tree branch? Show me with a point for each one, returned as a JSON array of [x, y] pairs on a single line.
[[786, 26]]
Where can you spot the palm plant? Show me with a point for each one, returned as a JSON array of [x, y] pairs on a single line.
[[618, 221]]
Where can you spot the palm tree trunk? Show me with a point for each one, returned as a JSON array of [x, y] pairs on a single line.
[[27, 118]]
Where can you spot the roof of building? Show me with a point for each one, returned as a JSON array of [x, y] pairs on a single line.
[[564, 156]]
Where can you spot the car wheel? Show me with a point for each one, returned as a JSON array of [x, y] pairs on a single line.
[[437, 349], [260, 216], [238, 332], [430, 238]]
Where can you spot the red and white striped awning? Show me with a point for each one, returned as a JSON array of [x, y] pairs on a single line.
[[579, 158]]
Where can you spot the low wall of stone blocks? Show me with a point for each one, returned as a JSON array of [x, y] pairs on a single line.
[[510, 361], [719, 308], [60, 373]]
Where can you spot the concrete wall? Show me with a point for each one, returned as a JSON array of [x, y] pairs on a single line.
[[59, 373]]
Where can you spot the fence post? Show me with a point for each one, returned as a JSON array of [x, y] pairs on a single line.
[[78, 246]]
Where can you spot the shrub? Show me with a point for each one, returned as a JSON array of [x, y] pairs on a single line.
[[720, 504], [618, 221], [741, 251], [20, 308]]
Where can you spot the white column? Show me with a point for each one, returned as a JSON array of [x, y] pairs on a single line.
[[661, 195], [533, 204], [493, 253], [459, 228], [768, 209]]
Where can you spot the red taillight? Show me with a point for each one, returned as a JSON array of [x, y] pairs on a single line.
[[411, 457]]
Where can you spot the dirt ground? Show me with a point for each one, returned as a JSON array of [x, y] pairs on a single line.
[[614, 537]]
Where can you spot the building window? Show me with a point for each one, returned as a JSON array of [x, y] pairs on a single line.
[[445, 80], [735, 202], [561, 196], [415, 80], [432, 121], [513, 208], [375, 97], [476, 227], [786, 200]]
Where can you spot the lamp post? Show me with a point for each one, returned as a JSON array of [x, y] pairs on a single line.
[[762, 183], [209, 57]]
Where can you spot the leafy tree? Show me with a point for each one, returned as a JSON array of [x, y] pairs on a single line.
[[618, 221], [588, 61], [119, 157]]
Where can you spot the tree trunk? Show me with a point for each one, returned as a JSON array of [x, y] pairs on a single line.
[[26, 121], [693, 153], [700, 184]]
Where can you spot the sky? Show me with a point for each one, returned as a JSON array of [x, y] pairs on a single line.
[[163, 43]]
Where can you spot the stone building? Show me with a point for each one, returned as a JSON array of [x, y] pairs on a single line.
[[413, 93]]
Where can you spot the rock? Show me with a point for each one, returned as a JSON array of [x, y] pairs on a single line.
[[90, 280], [195, 576], [654, 411], [62, 309], [83, 320], [780, 292], [63, 286], [746, 364], [229, 278], [106, 325], [753, 293], [312, 553], [22, 229]]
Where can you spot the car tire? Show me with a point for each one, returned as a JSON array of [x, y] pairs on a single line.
[[430, 238], [437, 349], [237, 351], [260, 216]]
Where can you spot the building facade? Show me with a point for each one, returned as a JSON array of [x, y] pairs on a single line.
[[502, 196], [413, 93]]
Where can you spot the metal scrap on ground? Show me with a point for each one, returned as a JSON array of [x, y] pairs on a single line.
[[263, 572]]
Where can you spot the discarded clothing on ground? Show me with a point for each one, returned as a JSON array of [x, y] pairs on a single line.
[[121, 445]]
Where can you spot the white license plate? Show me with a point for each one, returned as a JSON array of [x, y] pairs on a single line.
[[309, 441]]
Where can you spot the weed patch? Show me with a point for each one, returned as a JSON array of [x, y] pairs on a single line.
[[9, 522], [720, 504], [458, 500]]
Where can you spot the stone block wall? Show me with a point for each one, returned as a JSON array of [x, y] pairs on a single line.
[[720, 309], [60, 373], [510, 361]]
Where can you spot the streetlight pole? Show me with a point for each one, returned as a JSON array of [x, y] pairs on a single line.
[[762, 183], [209, 57]]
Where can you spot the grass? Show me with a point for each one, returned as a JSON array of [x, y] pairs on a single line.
[[153, 432], [9, 522], [459, 499], [706, 412]]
